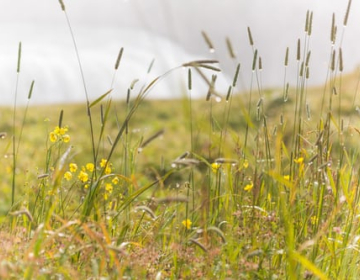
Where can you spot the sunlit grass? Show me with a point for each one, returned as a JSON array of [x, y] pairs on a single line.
[[258, 185]]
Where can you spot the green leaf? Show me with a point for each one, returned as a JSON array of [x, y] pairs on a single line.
[[100, 98]]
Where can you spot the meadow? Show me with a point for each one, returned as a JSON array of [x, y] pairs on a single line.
[[261, 184]]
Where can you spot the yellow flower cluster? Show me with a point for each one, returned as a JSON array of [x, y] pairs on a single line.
[[106, 165], [314, 220], [59, 134], [86, 172], [83, 175]]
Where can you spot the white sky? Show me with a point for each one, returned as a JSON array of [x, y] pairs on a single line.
[[167, 30]]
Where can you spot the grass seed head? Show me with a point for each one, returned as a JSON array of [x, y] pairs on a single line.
[[251, 41], [347, 13], [333, 30], [208, 41], [119, 58], [230, 48], [286, 57], [62, 5]]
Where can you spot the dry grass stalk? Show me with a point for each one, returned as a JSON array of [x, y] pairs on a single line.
[[186, 161], [208, 41], [196, 242], [24, 212], [152, 138], [170, 199], [226, 160]]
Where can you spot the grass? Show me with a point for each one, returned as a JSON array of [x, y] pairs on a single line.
[[258, 185]]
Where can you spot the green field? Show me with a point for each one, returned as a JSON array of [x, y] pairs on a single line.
[[261, 184]]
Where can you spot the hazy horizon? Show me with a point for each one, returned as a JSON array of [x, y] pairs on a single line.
[[167, 31]]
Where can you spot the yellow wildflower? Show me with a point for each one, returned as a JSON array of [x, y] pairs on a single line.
[[90, 167], [53, 137], [103, 162], [60, 130], [63, 130], [109, 188], [215, 167], [83, 176], [73, 167], [187, 223], [66, 138], [299, 160], [107, 170], [246, 164], [106, 196], [68, 175], [287, 177], [57, 130], [115, 181], [59, 133], [249, 187], [86, 186]]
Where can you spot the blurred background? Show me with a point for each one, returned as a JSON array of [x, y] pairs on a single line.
[[168, 31]]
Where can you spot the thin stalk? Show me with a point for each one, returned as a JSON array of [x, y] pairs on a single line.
[[14, 151], [84, 85]]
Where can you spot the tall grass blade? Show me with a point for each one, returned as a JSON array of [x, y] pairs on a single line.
[[99, 99], [14, 153]]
